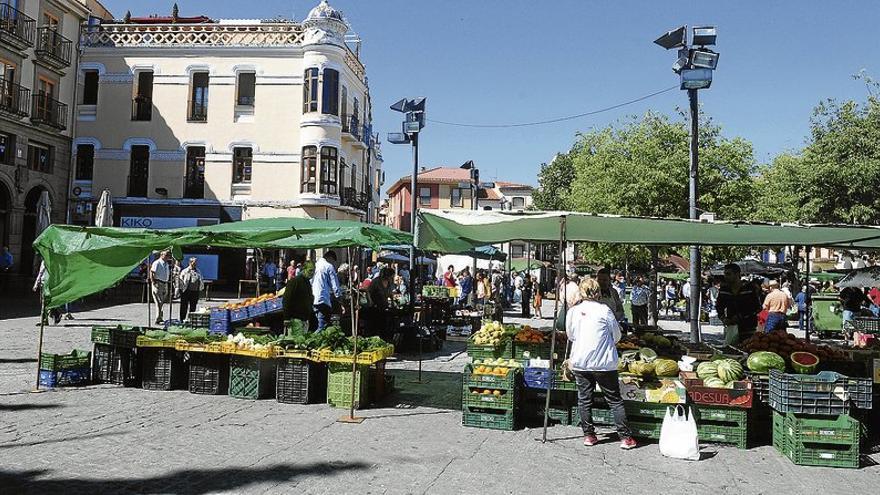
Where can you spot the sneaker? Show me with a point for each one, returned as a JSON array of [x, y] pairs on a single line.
[[590, 440], [627, 443]]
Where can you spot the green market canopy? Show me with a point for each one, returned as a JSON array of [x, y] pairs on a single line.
[[84, 260], [457, 231]]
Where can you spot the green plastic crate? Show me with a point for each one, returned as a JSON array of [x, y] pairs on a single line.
[[251, 378], [722, 432], [725, 414], [505, 350], [339, 377], [505, 401], [645, 429], [841, 429], [507, 382], [535, 350], [560, 384], [120, 335], [810, 453], [492, 419], [77, 359]]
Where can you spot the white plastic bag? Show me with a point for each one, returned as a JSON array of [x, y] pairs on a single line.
[[678, 434]]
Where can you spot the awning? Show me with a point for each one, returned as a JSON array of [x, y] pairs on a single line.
[[457, 231], [863, 277], [84, 260]]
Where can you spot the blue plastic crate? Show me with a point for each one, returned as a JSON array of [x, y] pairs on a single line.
[[538, 377], [219, 326], [273, 305], [219, 314], [65, 378], [239, 314], [256, 309]]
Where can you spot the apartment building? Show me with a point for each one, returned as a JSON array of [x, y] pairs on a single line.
[[193, 121], [38, 57]]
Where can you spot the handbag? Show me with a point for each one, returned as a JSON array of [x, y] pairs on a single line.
[[678, 434]]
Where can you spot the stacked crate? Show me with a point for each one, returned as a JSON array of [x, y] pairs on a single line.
[[61, 370], [161, 369], [490, 400], [300, 381], [114, 359], [339, 380], [815, 419], [251, 377], [208, 373]]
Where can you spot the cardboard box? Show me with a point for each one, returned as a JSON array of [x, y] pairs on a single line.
[[669, 391], [631, 389], [741, 395]]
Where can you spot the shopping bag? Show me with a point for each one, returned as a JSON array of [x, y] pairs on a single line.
[[731, 334], [678, 434]]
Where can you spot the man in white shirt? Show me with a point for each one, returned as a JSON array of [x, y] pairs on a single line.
[[593, 331], [325, 289], [686, 294], [160, 278]]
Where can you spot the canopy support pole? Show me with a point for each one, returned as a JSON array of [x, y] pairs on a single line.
[[652, 299], [553, 329], [149, 286], [354, 367], [809, 298], [40, 344]]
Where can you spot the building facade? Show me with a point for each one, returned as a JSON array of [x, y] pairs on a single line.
[[37, 87], [192, 121]]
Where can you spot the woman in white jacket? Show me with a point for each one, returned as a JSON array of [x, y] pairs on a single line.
[[593, 331]]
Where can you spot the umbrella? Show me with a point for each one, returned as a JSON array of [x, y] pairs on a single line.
[[865, 277], [104, 211], [424, 260], [749, 267], [393, 257], [44, 212]]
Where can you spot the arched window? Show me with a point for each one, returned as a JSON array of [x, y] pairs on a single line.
[[330, 93], [309, 169], [329, 157], [310, 90]]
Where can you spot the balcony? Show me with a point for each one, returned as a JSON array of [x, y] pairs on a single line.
[[142, 108], [198, 111], [53, 48], [49, 111], [353, 199], [351, 128], [14, 98], [16, 29]]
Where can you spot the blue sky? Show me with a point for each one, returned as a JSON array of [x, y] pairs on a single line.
[[492, 61]]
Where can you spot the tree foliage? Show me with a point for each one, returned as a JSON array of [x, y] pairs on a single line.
[[555, 181]]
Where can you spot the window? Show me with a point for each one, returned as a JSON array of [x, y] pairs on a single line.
[[247, 82], [85, 161], [329, 183], [139, 171], [519, 203], [309, 169], [198, 104], [310, 90], [142, 106], [517, 250], [195, 173], [39, 157], [343, 102], [424, 196], [242, 161], [7, 149], [353, 172], [456, 201], [330, 95], [90, 87]]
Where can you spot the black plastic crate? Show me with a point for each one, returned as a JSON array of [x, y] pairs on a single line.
[[300, 381], [116, 365], [760, 386], [162, 369], [826, 393], [208, 373]]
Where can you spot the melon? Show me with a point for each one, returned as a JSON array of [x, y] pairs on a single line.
[[665, 367], [804, 362], [764, 361], [707, 369], [729, 370], [641, 368], [714, 382], [647, 354]]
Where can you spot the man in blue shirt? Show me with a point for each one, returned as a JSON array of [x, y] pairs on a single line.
[[639, 302], [6, 260], [465, 285], [325, 289]]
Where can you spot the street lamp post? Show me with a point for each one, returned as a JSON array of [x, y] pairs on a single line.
[[695, 65], [415, 120]]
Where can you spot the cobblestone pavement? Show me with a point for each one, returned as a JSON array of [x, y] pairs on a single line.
[[106, 439]]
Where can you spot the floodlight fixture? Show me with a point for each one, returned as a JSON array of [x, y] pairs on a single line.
[[400, 106], [398, 138], [703, 58], [696, 78], [704, 35], [673, 39], [467, 165]]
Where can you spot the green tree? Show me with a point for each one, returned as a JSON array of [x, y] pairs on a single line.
[[554, 183]]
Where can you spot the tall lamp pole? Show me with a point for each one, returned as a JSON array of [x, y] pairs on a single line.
[[415, 120], [695, 65]]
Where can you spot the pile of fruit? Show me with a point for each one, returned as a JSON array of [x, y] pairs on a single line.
[[508, 363], [248, 302], [530, 335], [499, 371], [486, 391], [721, 373], [644, 363], [784, 344], [493, 334]]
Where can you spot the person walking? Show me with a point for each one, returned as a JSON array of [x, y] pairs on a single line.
[[801, 301], [325, 289], [191, 285], [593, 331], [539, 297], [160, 280], [671, 296], [776, 304], [526, 298], [639, 302]]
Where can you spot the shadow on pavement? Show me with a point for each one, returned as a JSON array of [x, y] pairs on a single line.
[[450, 349], [61, 440], [183, 482], [437, 389], [25, 407], [17, 360]]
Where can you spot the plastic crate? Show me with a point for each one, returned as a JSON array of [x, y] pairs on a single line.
[[77, 359], [867, 324], [843, 455], [492, 419], [65, 378], [365, 358], [826, 393], [507, 399], [760, 386], [300, 381], [208, 373], [116, 365], [534, 350], [506, 382], [122, 336], [162, 369], [256, 309], [645, 429], [240, 314], [505, 350], [841, 429], [251, 377], [274, 305], [724, 414], [722, 432], [560, 384], [538, 378], [339, 378], [199, 320]]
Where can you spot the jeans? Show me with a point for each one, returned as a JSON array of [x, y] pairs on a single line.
[[802, 320], [322, 313], [610, 386], [640, 314], [775, 321], [188, 300]]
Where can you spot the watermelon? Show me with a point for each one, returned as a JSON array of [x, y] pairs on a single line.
[[647, 354], [764, 361], [665, 367], [804, 362], [707, 369], [714, 382], [641, 368], [729, 370]]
